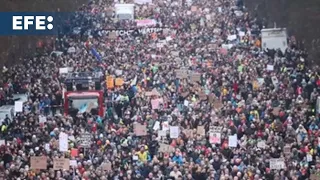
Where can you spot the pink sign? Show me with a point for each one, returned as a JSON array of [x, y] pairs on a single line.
[[146, 22]]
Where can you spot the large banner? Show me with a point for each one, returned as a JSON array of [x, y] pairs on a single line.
[[136, 32]]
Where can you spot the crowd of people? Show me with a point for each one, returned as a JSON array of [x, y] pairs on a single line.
[[195, 104]]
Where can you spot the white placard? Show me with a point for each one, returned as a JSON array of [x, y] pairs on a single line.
[[162, 133], [63, 70], [63, 142], [156, 125], [270, 67], [71, 50], [261, 144], [73, 163], [241, 33], [233, 141], [2, 142], [18, 106], [47, 147], [174, 132], [277, 163], [232, 37], [42, 119]]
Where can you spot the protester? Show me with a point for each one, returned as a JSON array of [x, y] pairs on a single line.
[[213, 107]]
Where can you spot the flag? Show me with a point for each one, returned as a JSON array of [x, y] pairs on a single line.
[[96, 54], [83, 108]]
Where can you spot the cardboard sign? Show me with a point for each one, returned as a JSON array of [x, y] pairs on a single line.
[[201, 131], [195, 77], [119, 82], [217, 105], [140, 129], [38, 162], [203, 96], [165, 148], [182, 74], [61, 163], [110, 82], [107, 166], [277, 163]]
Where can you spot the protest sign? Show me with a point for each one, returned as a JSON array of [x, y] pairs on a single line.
[[18, 106], [119, 82], [107, 166], [140, 129], [277, 163], [110, 82], [261, 144], [233, 141], [38, 162], [201, 130], [142, 1], [162, 133], [61, 164], [2, 142], [155, 103], [217, 104], [174, 132], [181, 74], [63, 142], [85, 139], [217, 129], [74, 152], [195, 77], [73, 163], [215, 138], [146, 22], [165, 148], [63, 70], [270, 67], [42, 119], [232, 37]]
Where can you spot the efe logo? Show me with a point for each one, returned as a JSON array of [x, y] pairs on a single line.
[[24, 22]]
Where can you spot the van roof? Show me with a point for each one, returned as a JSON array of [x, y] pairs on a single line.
[[6, 108], [20, 97]]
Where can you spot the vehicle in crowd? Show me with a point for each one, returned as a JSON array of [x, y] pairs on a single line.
[[6, 111], [84, 93], [274, 38]]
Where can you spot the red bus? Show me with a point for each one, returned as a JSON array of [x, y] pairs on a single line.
[[90, 101], [84, 94]]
